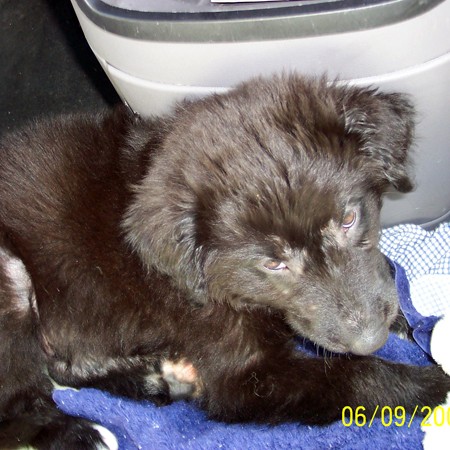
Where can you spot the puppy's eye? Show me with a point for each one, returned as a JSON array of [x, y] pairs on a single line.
[[275, 265], [349, 220]]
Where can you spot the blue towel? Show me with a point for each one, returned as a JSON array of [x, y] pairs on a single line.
[[141, 425]]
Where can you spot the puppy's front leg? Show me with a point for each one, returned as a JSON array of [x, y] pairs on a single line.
[[27, 412], [315, 391]]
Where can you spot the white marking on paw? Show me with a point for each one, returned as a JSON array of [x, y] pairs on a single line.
[[402, 335], [183, 371], [109, 440]]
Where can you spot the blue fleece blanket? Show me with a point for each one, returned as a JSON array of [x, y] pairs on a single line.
[[141, 425]]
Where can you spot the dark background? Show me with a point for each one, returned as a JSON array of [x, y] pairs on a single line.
[[46, 65]]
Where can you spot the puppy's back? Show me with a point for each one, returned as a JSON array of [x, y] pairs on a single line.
[[46, 167]]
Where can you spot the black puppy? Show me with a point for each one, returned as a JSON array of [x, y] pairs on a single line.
[[180, 256]]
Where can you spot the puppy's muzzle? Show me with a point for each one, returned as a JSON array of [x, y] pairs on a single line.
[[368, 341]]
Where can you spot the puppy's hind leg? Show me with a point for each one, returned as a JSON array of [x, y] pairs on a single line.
[[28, 415], [138, 377], [145, 377]]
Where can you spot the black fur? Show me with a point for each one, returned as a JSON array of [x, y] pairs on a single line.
[[202, 243]]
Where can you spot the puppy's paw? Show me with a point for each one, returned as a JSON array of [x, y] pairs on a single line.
[[182, 379], [109, 440], [67, 433]]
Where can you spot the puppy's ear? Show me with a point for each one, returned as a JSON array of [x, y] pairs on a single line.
[[385, 124], [160, 225]]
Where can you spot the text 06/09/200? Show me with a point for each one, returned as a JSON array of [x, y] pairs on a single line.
[[395, 416]]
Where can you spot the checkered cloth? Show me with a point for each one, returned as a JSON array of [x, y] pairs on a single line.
[[425, 256]]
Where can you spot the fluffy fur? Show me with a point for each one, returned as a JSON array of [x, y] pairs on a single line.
[[180, 256]]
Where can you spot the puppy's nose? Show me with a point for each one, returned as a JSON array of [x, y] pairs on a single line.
[[369, 341]]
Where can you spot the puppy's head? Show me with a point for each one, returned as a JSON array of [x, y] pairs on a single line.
[[271, 194]]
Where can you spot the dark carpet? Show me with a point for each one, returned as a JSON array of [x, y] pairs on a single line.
[[46, 65]]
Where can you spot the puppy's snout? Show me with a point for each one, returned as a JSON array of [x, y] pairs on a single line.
[[369, 341]]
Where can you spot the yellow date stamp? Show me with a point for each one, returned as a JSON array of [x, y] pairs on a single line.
[[396, 416]]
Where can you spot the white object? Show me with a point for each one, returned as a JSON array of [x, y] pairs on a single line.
[[437, 434]]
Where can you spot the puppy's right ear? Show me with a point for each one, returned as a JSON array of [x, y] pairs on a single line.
[[160, 225], [385, 125]]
